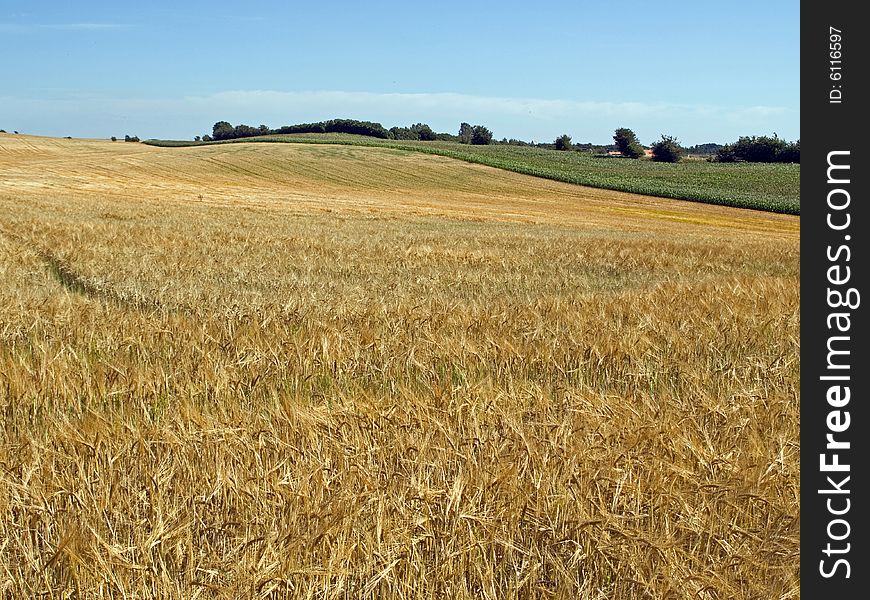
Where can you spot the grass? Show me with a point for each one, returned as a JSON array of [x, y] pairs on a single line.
[[309, 371], [770, 187]]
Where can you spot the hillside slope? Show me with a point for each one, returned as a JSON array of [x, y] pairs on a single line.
[[762, 186], [350, 178], [286, 371]]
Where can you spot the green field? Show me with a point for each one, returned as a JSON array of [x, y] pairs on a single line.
[[770, 187]]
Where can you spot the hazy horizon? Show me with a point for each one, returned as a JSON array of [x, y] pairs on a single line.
[[701, 73]]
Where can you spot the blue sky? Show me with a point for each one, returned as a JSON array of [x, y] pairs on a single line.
[[702, 71]]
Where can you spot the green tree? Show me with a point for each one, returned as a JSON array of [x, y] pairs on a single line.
[[480, 135], [760, 149], [791, 153], [667, 149], [626, 142], [222, 130], [465, 133], [423, 132], [243, 131], [402, 133], [563, 142]]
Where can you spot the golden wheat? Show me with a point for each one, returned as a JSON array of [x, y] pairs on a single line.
[[324, 372]]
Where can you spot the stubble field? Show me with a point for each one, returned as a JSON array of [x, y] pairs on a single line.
[[257, 370]]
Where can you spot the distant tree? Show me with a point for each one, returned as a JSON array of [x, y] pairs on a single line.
[[368, 128], [725, 154], [222, 130], [563, 142], [206, 138], [759, 149], [196, 138], [480, 135], [15, 132], [667, 149], [243, 131], [704, 149], [2, 131], [627, 144], [423, 132], [466, 132], [403, 133], [114, 139], [127, 138], [791, 153]]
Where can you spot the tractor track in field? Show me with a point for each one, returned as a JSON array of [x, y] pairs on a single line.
[[76, 283]]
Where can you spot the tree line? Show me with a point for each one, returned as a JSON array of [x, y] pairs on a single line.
[[760, 149], [468, 134], [763, 149], [625, 141], [223, 130]]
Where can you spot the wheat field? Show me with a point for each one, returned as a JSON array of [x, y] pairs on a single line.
[[303, 371]]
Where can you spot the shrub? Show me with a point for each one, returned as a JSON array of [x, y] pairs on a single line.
[[114, 139], [667, 149], [563, 142]]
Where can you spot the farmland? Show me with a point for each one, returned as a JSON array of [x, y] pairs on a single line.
[[329, 371], [772, 187]]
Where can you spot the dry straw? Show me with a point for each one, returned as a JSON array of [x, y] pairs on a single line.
[[325, 372]]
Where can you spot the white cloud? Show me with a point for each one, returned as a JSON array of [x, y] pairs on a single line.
[[417, 104], [525, 118]]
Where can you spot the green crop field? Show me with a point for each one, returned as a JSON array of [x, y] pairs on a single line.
[[770, 187]]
